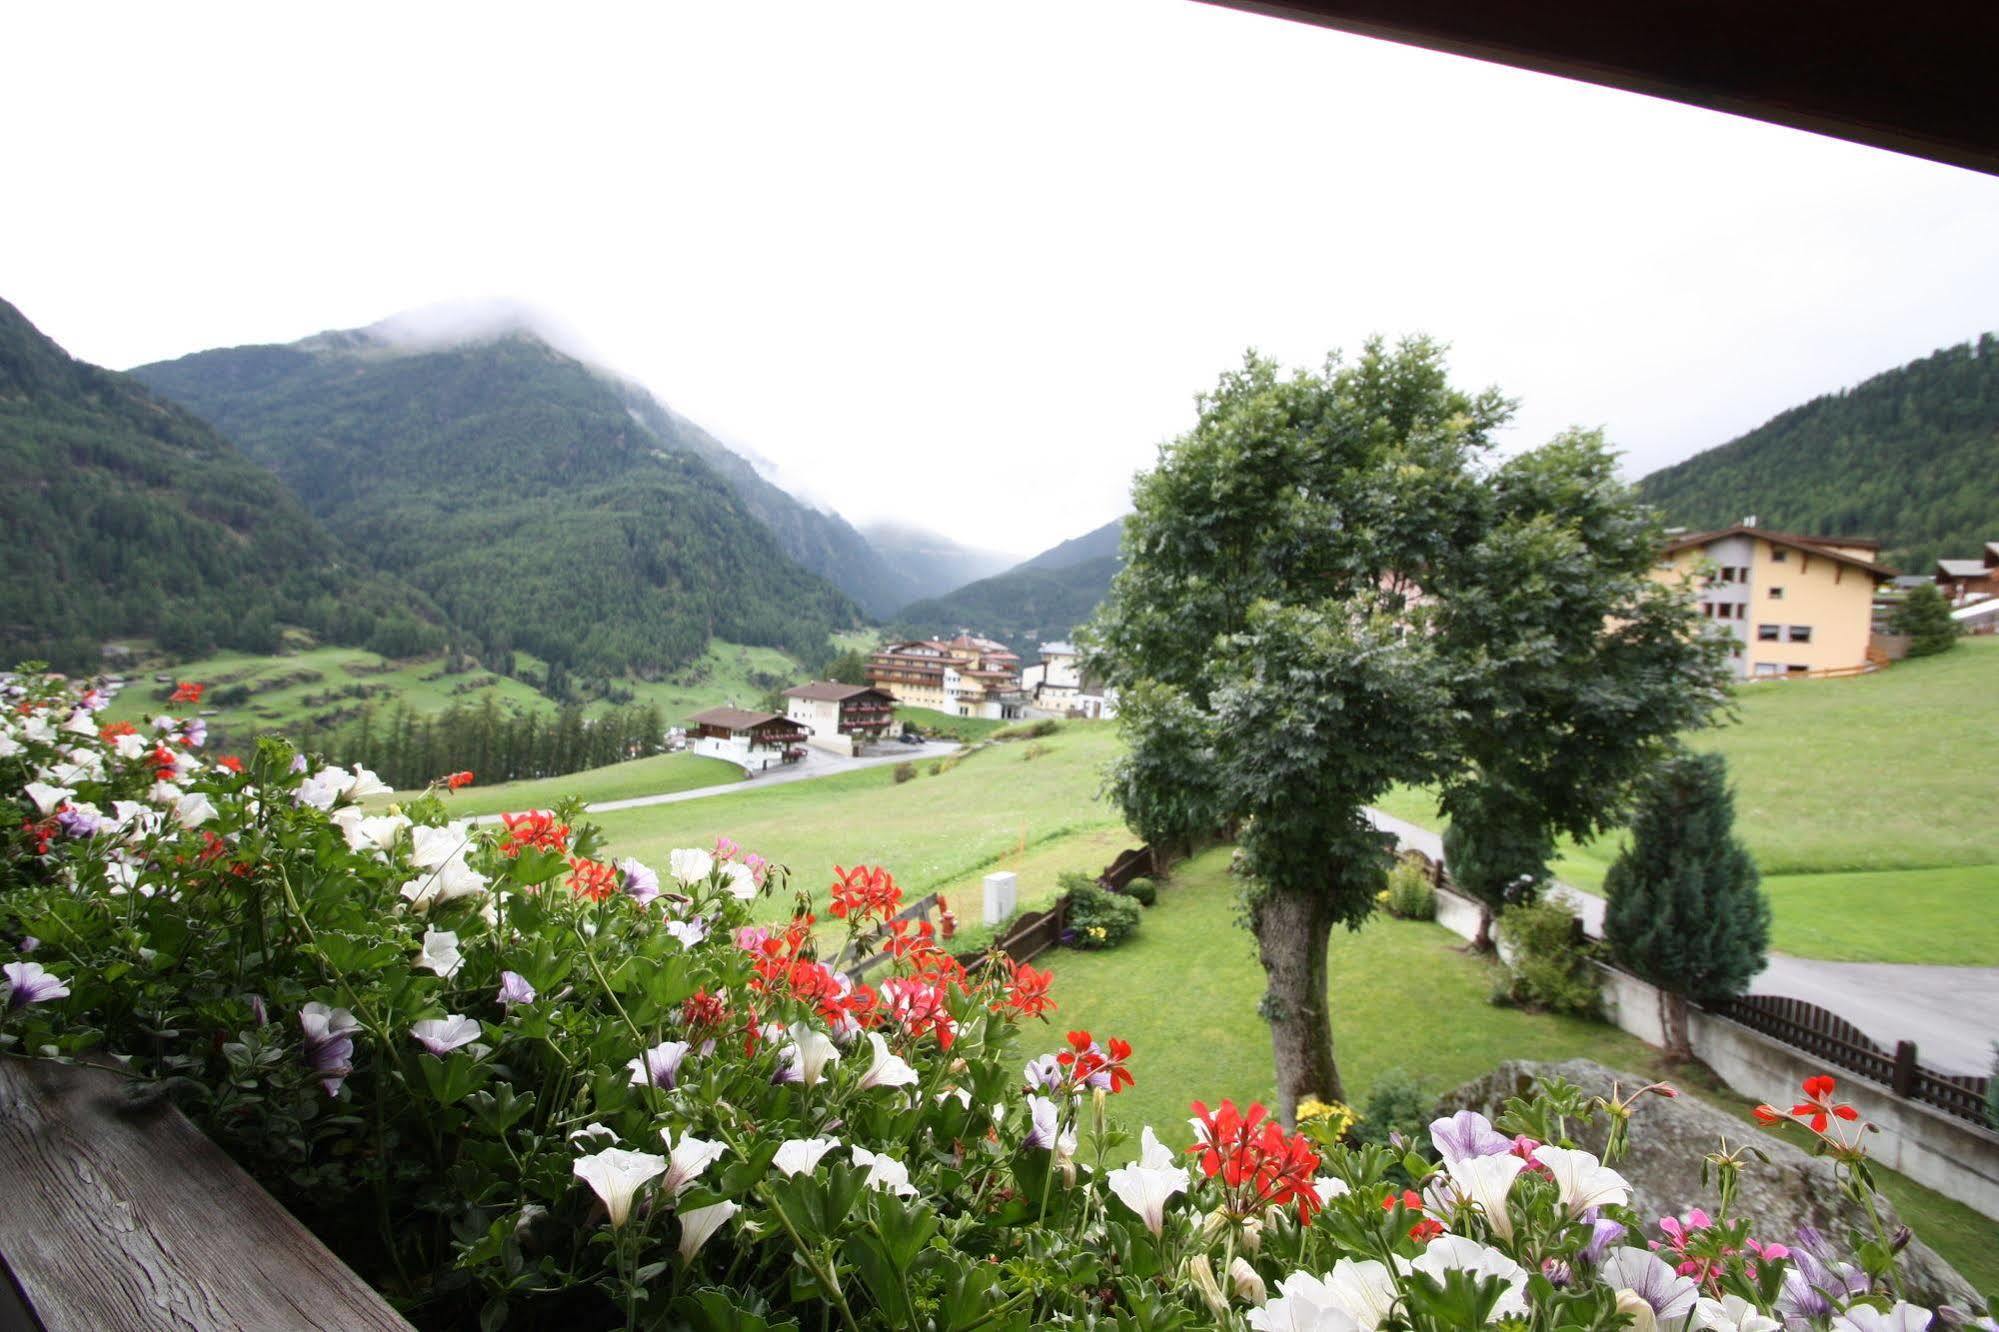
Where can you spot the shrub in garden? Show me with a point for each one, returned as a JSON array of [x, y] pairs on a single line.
[[520, 1085], [1409, 894], [1395, 1103], [1685, 908], [905, 772], [1547, 964], [1142, 891], [1924, 616], [1097, 918]]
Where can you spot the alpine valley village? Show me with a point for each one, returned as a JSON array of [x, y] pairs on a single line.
[[889, 668]]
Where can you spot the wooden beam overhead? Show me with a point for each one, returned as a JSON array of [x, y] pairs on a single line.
[[1915, 78]]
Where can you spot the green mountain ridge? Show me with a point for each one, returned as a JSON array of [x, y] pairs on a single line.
[[1039, 600], [1904, 458], [132, 517], [523, 491]]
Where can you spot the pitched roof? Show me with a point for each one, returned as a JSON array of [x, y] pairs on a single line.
[[828, 691], [1825, 546], [737, 719], [1058, 650], [1961, 568]]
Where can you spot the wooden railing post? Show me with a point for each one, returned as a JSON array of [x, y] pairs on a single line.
[[1904, 1083]]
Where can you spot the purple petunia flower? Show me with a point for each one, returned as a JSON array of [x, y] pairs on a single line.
[[1041, 1123], [196, 734], [329, 1043], [29, 943], [1044, 1074], [1604, 1234], [659, 1065], [1467, 1134], [79, 821], [637, 882], [257, 1009], [30, 983], [514, 989]]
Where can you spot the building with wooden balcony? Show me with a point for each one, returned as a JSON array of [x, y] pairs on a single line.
[[840, 717], [749, 738]]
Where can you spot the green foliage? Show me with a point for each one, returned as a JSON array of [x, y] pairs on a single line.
[[848, 667], [905, 772], [1396, 1103], [1548, 965], [1142, 891], [1033, 730], [1904, 458], [128, 516], [1686, 910], [514, 486], [1494, 859], [1098, 918], [1410, 895], [1924, 616]]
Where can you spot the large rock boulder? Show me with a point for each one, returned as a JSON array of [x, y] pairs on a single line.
[[1670, 1137]]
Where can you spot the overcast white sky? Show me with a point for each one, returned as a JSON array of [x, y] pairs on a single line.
[[955, 262]]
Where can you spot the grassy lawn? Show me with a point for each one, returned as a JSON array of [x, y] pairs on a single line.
[[933, 722], [1865, 804], [728, 673], [1184, 993], [940, 831], [620, 781]]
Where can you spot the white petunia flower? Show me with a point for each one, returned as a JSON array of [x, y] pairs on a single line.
[[1903, 1317], [1582, 1180], [884, 1172], [47, 797], [805, 1059], [801, 1155], [440, 953], [1448, 1253], [616, 1175], [194, 809], [686, 1161], [1304, 1303], [129, 745], [740, 880], [365, 783], [701, 1222], [690, 865], [888, 1069], [1484, 1181], [442, 1035], [1145, 1186], [1733, 1314], [433, 848]]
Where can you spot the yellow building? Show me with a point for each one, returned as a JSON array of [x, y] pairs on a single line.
[[1787, 604]]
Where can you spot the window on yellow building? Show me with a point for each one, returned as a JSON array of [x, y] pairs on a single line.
[[1778, 555], [1769, 633], [1801, 633], [1776, 594]]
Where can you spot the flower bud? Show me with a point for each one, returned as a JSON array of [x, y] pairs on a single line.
[[1248, 1285], [1097, 1112], [1900, 1239], [1202, 1274], [1252, 1234], [1642, 1317], [1213, 1226]]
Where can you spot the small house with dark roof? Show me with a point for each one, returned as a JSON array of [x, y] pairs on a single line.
[[1786, 604], [1966, 581], [840, 717], [741, 735]]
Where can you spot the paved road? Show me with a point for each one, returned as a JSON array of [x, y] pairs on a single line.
[[1951, 1013], [816, 763]]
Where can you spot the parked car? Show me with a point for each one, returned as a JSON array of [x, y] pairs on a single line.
[[910, 738]]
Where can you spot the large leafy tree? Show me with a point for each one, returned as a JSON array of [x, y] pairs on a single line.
[[1925, 617], [1686, 909], [1288, 636], [1572, 667]]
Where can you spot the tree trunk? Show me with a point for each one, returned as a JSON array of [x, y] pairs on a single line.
[[1293, 931], [1482, 941], [1673, 1025]]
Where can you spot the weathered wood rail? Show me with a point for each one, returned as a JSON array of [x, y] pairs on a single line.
[[119, 1216]]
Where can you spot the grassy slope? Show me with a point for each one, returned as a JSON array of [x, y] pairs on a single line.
[[1403, 996], [932, 832], [727, 671], [1867, 805], [657, 775], [932, 722]]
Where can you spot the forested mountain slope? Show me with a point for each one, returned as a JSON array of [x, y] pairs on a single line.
[[125, 515], [1906, 458], [823, 543], [929, 564], [521, 490], [1037, 601]]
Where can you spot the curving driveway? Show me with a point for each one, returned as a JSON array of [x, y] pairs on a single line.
[[1951, 1013]]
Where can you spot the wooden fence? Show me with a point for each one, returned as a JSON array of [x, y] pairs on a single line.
[[1826, 1035], [1136, 863]]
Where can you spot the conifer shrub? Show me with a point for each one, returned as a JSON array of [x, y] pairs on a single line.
[[1142, 891], [904, 772], [1686, 910], [1925, 617], [1395, 1103]]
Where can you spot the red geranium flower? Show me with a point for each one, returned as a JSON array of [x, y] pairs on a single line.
[[116, 729], [231, 762], [458, 781], [186, 692], [1259, 1163], [1818, 1104], [1027, 991], [590, 880], [536, 829], [864, 891]]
